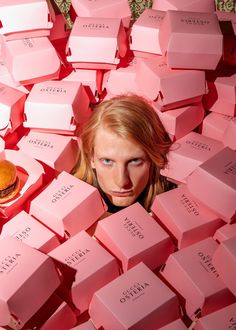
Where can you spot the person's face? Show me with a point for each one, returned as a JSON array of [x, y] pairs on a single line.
[[122, 167]]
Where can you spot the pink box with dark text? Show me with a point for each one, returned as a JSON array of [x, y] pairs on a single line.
[[225, 232], [12, 108], [56, 106], [96, 43], [191, 40], [24, 18], [213, 183], [144, 35], [195, 5], [142, 238], [188, 220], [31, 60], [26, 275], [137, 299], [30, 231], [103, 8], [187, 153], [57, 151], [30, 173], [94, 266], [168, 87], [68, 205], [224, 318], [191, 272], [214, 125], [181, 121], [224, 260]]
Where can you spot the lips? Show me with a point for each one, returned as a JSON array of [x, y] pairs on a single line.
[[122, 193]]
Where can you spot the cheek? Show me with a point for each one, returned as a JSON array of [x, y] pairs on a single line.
[[141, 176]]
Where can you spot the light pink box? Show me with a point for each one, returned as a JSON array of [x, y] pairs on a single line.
[[68, 205], [213, 183], [191, 40], [144, 35], [225, 232], [2, 144], [56, 106], [30, 173], [214, 125], [103, 8], [181, 121], [96, 43], [122, 80], [175, 325], [7, 79], [224, 260], [195, 5], [137, 299], [168, 87], [63, 318], [221, 319], [88, 325], [221, 97], [60, 152], [188, 220], [30, 231], [12, 108], [142, 238], [31, 60], [191, 272], [187, 153], [95, 267], [26, 275], [229, 137], [24, 18]]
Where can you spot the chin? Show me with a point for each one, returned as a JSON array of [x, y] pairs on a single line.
[[123, 202]]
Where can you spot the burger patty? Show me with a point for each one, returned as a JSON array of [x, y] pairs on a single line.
[[8, 190]]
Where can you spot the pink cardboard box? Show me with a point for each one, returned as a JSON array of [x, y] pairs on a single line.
[[229, 137], [225, 318], [137, 299], [214, 125], [225, 232], [181, 121], [96, 43], [2, 144], [168, 87], [187, 153], [57, 151], [27, 275], [195, 5], [7, 79], [229, 18], [30, 173], [56, 106], [224, 260], [12, 108], [24, 18], [191, 272], [30, 231], [142, 238], [213, 183], [191, 40], [144, 36], [31, 60], [188, 220], [95, 267], [68, 205], [88, 325], [175, 325], [103, 8], [221, 97]]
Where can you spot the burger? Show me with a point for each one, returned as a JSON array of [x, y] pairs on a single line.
[[9, 181]]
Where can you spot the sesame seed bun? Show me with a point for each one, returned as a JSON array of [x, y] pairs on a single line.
[[9, 182]]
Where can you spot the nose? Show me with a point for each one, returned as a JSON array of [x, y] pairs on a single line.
[[122, 178]]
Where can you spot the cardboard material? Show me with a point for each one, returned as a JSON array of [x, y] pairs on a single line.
[[225, 232], [229, 136], [68, 205], [214, 125], [194, 5], [136, 299]]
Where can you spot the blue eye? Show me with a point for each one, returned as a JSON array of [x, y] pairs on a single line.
[[136, 161], [106, 161]]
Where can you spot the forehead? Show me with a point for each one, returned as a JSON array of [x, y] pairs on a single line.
[[109, 144]]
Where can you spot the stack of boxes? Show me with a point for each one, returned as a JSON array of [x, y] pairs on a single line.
[[172, 270]]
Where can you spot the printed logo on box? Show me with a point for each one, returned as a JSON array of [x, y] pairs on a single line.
[[206, 262], [134, 292], [198, 145], [230, 168], [76, 257], [194, 21], [9, 263], [23, 234], [62, 193], [189, 205], [96, 26], [28, 42], [133, 228], [53, 90], [41, 143]]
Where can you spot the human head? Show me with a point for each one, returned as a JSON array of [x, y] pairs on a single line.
[[130, 117]]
